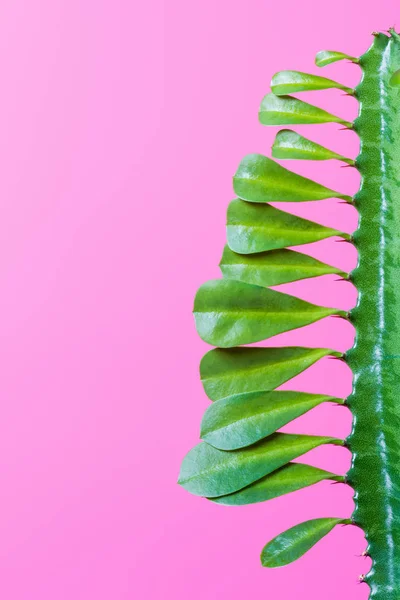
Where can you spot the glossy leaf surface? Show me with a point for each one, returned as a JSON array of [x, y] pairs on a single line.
[[293, 543], [286, 110], [261, 179], [255, 228], [242, 420], [273, 267], [231, 313], [241, 370], [289, 144], [287, 479], [290, 82], [206, 471], [327, 57]]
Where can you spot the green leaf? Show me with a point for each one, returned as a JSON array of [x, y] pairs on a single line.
[[290, 82], [242, 420], [230, 313], [206, 471], [241, 370], [327, 57], [273, 267], [295, 542], [287, 479], [260, 179], [286, 110], [289, 144], [395, 79], [258, 227]]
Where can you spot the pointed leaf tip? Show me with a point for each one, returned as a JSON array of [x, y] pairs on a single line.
[[290, 82], [327, 57], [293, 543]]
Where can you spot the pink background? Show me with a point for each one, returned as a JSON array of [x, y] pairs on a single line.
[[121, 126]]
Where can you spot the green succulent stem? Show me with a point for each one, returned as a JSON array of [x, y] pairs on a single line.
[[375, 357]]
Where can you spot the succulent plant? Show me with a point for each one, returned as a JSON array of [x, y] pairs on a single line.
[[243, 458]]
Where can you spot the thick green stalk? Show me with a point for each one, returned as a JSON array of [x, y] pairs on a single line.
[[375, 358]]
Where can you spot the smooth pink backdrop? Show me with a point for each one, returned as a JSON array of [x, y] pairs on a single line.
[[121, 125]]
